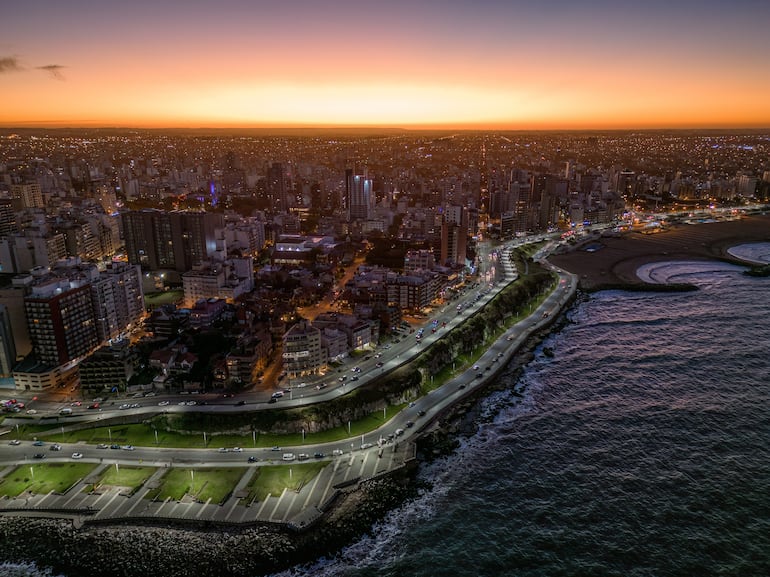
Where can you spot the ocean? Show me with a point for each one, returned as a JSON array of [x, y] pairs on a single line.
[[640, 447], [637, 444]]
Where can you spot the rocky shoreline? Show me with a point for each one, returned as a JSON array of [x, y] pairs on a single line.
[[167, 550], [171, 551]]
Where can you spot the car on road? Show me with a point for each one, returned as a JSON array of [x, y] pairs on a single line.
[[421, 413], [38, 443], [288, 457], [337, 452], [321, 386], [354, 378], [76, 404], [275, 449], [101, 446], [114, 446], [38, 456], [55, 447], [163, 403], [77, 455], [127, 447], [462, 386], [93, 406], [399, 432], [378, 365], [366, 446], [223, 449], [31, 412], [409, 424], [303, 456], [277, 395], [15, 442], [252, 459], [237, 450], [319, 455], [124, 406], [240, 403]]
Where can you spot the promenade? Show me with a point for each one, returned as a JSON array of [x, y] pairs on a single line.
[[391, 447]]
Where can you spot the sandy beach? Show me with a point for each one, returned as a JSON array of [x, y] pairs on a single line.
[[618, 259]]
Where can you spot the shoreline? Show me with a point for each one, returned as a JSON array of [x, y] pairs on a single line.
[[614, 265], [173, 550]]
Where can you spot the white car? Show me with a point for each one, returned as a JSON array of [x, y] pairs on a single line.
[[237, 450], [163, 403], [15, 442], [77, 455]]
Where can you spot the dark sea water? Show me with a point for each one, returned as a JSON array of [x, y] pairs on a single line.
[[641, 448]]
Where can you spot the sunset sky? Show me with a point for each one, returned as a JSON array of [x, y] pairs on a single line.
[[409, 63]]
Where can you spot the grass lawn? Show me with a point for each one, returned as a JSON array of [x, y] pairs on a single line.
[[204, 484], [273, 479], [142, 435], [42, 478], [162, 298], [357, 428], [132, 434], [126, 476]]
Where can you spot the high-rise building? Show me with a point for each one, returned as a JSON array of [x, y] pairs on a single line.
[[118, 299], [276, 187], [360, 196], [27, 196], [454, 235], [7, 217], [7, 343], [176, 240], [60, 318]]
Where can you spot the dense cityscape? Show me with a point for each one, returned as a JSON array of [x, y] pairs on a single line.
[[163, 286], [250, 227]]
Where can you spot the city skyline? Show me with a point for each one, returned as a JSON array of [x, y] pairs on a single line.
[[456, 64]]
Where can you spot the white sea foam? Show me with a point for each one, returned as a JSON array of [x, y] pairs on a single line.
[[24, 570], [756, 252], [680, 271]]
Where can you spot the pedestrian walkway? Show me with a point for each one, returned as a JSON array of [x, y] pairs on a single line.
[[295, 508]]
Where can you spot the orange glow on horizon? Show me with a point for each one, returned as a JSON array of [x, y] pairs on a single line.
[[493, 66]]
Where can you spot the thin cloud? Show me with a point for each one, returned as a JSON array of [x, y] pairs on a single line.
[[54, 70], [9, 64]]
